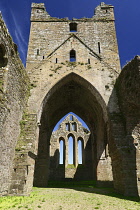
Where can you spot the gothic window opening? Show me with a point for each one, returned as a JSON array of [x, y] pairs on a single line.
[[74, 126], [72, 56], [61, 152], [67, 127], [71, 150], [43, 57], [80, 151], [73, 27]]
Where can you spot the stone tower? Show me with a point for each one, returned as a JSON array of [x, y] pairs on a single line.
[[73, 66]]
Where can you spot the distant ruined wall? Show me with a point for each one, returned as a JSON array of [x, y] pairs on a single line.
[[84, 171], [13, 96]]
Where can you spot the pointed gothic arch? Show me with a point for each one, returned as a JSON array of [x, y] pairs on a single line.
[[72, 93]]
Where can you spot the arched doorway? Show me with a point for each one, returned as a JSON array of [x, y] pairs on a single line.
[[74, 93]]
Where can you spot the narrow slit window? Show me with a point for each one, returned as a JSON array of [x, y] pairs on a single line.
[[71, 117], [67, 127], [61, 152], [37, 51], [73, 27], [70, 150], [74, 126], [88, 61], [43, 57], [80, 152], [27, 168], [72, 56], [99, 47], [56, 60]]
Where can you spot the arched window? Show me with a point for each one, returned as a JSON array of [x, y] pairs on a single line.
[[80, 151], [72, 56], [74, 126], [73, 27], [67, 127], [71, 149], [61, 151]]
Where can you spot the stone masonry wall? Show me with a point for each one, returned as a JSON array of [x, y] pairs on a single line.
[[49, 33], [110, 108], [71, 127], [128, 88], [51, 39], [13, 97], [97, 62]]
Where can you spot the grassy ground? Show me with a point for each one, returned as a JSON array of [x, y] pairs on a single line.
[[71, 196]]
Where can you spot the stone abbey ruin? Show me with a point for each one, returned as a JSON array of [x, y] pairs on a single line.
[[72, 66], [71, 127]]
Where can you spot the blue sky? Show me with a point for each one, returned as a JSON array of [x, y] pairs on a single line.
[[60, 121], [16, 14]]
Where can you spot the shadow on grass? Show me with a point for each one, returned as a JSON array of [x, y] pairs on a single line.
[[91, 187]]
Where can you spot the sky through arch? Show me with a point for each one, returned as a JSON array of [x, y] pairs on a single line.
[[61, 120], [70, 139]]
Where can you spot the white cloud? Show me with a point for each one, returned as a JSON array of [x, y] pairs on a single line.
[[16, 32]]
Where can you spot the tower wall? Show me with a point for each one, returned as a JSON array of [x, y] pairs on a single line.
[[48, 62]]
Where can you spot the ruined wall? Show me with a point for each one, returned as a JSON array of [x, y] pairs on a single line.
[[13, 97], [48, 63], [84, 171], [51, 39], [128, 89], [87, 87]]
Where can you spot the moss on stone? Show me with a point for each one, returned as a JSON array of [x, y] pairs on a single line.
[[71, 64], [56, 69], [71, 166], [24, 127]]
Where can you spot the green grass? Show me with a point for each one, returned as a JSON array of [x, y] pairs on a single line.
[[81, 195]]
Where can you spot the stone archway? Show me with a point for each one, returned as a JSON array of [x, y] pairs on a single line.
[[74, 93]]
